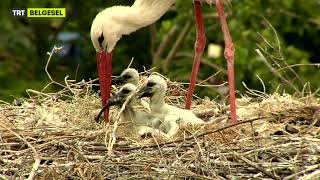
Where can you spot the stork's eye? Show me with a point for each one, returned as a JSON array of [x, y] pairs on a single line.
[[126, 76], [100, 39], [126, 91], [150, 84]]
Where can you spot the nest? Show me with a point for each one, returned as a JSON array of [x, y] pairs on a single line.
[[54, 136]]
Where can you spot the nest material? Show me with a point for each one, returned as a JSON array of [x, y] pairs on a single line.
[[45, 137]]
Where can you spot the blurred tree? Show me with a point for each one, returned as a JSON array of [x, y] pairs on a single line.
[[284, 31]]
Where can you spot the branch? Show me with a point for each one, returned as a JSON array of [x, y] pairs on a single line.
[[257, 167], [177, 45], [193, 136], [211, 16], [164, 43], [153, 38], [273, 71], [313, 175], [54, 50], [204, 61], [35, 153], [298, 65]]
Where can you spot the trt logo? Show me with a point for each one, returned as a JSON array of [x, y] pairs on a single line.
[[19, 12]]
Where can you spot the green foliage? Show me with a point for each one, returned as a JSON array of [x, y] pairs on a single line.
[[285, 32]]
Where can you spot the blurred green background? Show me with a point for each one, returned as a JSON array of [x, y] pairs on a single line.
[[287, 32]]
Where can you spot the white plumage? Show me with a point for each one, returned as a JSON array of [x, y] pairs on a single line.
[[140, 120], [110, 24], [131, 75], [116, 21], [155, 87]]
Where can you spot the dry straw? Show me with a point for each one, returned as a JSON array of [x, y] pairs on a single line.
[[54, 136]]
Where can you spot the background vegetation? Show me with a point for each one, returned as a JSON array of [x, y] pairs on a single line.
[[286, 32]]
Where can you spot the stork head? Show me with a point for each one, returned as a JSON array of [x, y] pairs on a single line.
[[118, 99], [154, 86], [105, 31], [103, 42], [98, 36], [129, 75], [121, 96]]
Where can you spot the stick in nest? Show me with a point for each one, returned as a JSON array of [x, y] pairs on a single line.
[[196, 135], [35, 153]]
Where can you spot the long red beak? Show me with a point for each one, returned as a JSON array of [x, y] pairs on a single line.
[[104, 64]]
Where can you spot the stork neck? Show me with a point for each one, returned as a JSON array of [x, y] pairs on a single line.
[[157, 102], [128, 113]]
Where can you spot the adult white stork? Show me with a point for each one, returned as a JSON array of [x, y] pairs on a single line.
[[110, 24]]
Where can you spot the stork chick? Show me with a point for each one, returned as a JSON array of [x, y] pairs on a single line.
[[130, 75], [155, 87], [139, 118], [110, 24], [108, 27]]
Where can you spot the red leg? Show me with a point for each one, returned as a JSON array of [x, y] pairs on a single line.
[[199, 48], [229, 55], [104, 64]]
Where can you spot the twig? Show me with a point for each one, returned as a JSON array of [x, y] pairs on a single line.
[[76, 73], [211, 16], [205, 80], [153, 38], [166, 40], [4, 177], [280, 51], [177, 45], [34, 169], [130, 62], [263, 86], [214, 66], [100, 166], [197, 135], [28, 91], [36, 155], [250, 163], [200, 84], [309, 176], [316, 120], [54, 49], [254, 92], [203, 61], [297, 65], [67, 84], [264, 60]]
